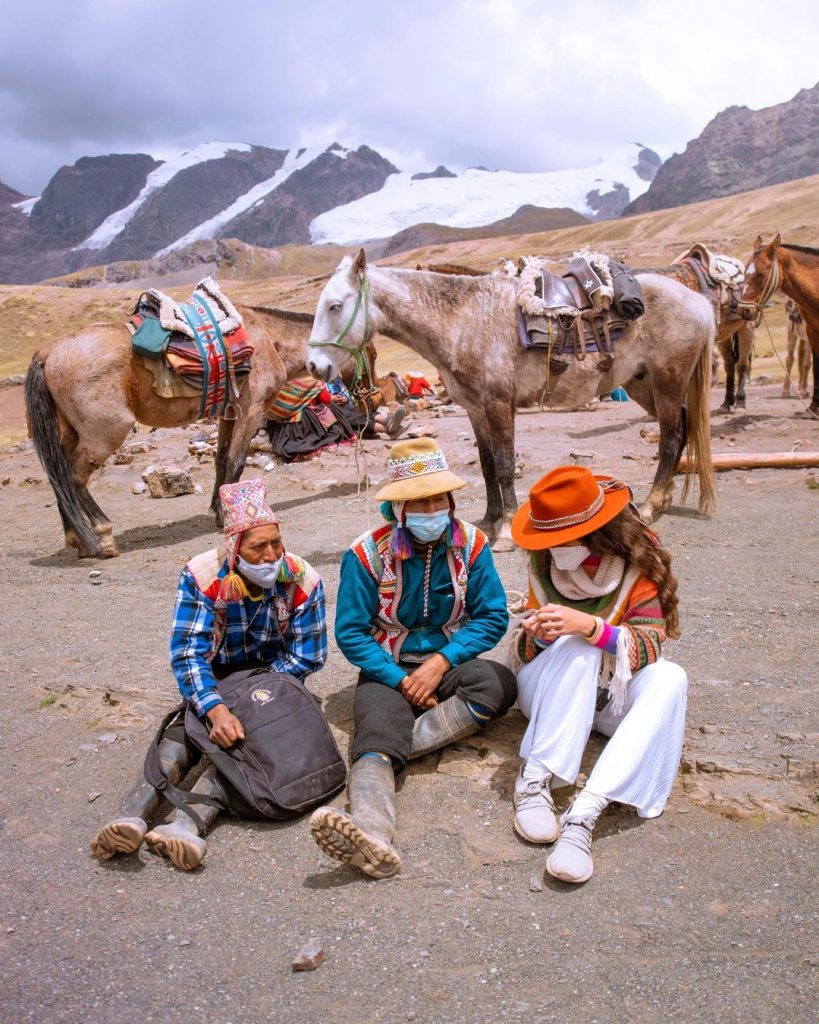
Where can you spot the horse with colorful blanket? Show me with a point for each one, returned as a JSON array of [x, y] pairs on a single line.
[[87, 391]]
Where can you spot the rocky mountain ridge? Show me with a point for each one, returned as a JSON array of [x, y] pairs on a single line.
[[740, 150]]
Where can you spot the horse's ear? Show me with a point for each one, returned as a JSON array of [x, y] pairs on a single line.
[[758, 243], [360, 263], [775, 243]]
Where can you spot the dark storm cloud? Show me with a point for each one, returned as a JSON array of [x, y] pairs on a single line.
[[506, 83]]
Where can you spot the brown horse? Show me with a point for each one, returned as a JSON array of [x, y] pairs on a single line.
[[85, 393], [794, 269], [467, 328], [735, 334], [798, 351]]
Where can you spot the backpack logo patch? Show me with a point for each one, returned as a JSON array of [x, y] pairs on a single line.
[[261, 696]]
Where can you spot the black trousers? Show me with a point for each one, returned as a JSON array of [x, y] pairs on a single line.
[[384, 718]]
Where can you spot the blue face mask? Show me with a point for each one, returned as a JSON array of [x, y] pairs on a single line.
[[427, 526]]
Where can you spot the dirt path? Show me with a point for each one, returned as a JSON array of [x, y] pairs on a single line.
[[692, 917]]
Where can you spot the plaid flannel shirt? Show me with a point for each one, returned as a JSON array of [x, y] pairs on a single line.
[[284, 629]]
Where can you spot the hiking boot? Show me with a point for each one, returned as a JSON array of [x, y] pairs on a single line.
[[535, 819], [362, 837], [446, 723], [393, 424], [571, 859], [124, 834], [179, 840]]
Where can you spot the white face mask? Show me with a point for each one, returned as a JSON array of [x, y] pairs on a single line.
[[264, 574], [570, 557]]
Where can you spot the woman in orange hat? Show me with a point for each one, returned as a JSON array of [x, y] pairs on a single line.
[[602, 600]]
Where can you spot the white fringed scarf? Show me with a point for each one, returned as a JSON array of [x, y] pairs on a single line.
[[576, 585]]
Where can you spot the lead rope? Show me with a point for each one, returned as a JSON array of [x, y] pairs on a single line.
[[805, 406]]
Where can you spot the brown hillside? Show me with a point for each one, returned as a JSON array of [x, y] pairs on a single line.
[[33, 314]]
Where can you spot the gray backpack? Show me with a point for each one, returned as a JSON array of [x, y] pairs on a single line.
[[287, 764]]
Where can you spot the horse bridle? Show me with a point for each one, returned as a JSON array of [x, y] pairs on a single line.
[[356, 351], [749, 310]]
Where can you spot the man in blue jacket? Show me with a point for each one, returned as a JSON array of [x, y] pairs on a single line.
[[419, 599]]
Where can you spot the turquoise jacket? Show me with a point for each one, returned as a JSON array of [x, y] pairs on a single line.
[[357, 604]]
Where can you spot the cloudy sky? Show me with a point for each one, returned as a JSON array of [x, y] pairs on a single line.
[[514, 84]]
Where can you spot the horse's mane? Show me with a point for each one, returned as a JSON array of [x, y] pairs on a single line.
[[455, 269], [800, 248], [285, 314]]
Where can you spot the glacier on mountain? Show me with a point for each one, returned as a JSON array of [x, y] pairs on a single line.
[[474, 198]]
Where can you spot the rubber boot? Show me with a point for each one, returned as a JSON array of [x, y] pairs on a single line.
[[125, 832], [446, 723], [180, 840], [362, 838]]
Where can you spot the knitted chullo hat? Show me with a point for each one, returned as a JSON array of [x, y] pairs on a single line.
[[243, 506]]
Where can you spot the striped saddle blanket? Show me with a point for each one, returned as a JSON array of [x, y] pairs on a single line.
[[202, 341]]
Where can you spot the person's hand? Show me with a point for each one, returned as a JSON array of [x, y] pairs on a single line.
[[554, 620], [338, 400], [226, 729], [419, 687]]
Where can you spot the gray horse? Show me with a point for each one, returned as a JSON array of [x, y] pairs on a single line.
[[466, 327]]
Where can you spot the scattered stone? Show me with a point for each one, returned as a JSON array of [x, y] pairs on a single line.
[[764, 378], [138, 447], [261, 443], [14, 381], [463, 435], [92, 797], [707, 730], [168, 481], [123, 458], [6, 481], [139, 487], [270, 467], [582, 458], [197, 489], [96, 582], [536, 883], [449, 410], [790, 737], [107, 737], [184, 942], [94, 574], [309, 957]]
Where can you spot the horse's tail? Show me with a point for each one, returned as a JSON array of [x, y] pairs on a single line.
[[45, 433], [698, 441]]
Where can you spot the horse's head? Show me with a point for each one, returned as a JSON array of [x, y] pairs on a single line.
[[341, 327], [761, 278]]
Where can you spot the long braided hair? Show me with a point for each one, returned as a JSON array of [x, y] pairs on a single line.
[[627, 536]]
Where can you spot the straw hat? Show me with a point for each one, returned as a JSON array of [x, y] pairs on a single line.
[[566, 504], [418, 469]]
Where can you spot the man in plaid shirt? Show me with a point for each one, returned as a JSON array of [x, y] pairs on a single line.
[[249, 605]]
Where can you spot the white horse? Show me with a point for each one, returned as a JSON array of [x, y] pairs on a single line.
[[466, 327]]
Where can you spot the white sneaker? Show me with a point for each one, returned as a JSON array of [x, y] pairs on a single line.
[[571, 859], [535, 818]]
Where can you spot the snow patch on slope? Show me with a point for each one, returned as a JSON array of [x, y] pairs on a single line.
[[27, 205], [473, 199], [175, 162], [294, 161]]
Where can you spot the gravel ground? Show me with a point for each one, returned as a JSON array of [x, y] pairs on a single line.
[[707, 913]]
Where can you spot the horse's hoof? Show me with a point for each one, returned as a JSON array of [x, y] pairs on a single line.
[[503, 543], [724, 408], [647, 513]]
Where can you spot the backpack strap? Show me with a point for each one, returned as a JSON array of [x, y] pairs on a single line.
[[155, 775]]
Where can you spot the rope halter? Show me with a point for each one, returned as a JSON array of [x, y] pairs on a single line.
[[750, 309], [356, 351]]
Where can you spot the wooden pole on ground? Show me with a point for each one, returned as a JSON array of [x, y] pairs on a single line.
[[756, 460]]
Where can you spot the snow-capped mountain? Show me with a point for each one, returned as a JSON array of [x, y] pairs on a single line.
[[479, 197], [131, 207]]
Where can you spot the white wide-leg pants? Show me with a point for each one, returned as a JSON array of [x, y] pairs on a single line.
[[557, 691]]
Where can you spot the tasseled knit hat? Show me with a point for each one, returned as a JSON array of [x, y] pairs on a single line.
[[243, 506]]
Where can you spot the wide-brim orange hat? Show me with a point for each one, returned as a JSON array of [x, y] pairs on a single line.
[[568, 503], [418, 469]]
